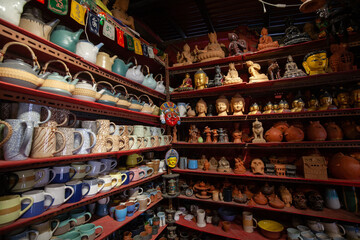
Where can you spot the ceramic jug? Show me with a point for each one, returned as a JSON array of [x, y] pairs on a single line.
[[123, 101], [160, 87], [135, 103], [135, 74], [31, 20], [332, 199], [55, 83], [120, 67], [84, 90], [65, 38], [104, 60], [182, 108], [16, 71], [87, 50], [107, 97], [149, 81], [11, 10], [147, 107], [334, 230]]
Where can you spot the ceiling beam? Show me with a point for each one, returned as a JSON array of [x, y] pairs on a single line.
[[205, 14]]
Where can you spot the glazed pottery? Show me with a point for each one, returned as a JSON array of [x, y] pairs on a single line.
[[84, 90], [89, 230], [46, 229], [149, 81], [70, 147], [87, 137], [270, 229], [44, 143], [134, 73], [294, 134], [334, 132], [293, 233], [226, 226], [121, 177], [344, 167], [24, 235], [273, 135], [200, 218], [78, 187], [95, 185], [307, 235], [87, 50], [248, 220], [104, 60], [58, 191], [133, 159], [282, 126], [332, 199], [120, 213], [32, 112], [38, 206], [10, 208], [26, 179], [315, 226], [65, 38], [316, 132], [334, 230], [120, 67], [11, 10], [110, 182]]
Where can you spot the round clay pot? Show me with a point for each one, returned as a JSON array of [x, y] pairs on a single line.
[[148, 229], [350, 130], [316, 132], [276, 203], [334, 132], [294, 134], [260, 199], [344, 167], [282, 126], [226, 225], [273, 135]]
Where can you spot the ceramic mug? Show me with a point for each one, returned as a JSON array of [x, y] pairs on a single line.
[[315, 226], [63, 116], [102, 210], [137, 142], [129, 177], [59, 118], [148, 170], [103, 144], [129, 142], [110, 182], [192, 164], [97, 168], [147, 132], [44, 178], [81, 170], [32, 112], [307, 235], [139, 131], [155, 141], [73, 235], [156, 165], [293, 234], [133, 192], [70, 148], [80, 215], [46, 229], [89, 140], [118, 131], [66, 225], [89, 125], [26, 179], [121, 177], [58, 191], [62, 174], [19, 145], [103, 127], [132, 207], [248, 222], [44, 143], [89, 230], [110, 164], [6, 137], [78, 187], [322, 236], [126, 130], [334, 230], [120, 213], [150, 141], [118, 143], [143, 201], [156, 131], [95, 186], [138, 174], [8, 181], [24, 235], [144, 142], [10, 208], [38, 206]]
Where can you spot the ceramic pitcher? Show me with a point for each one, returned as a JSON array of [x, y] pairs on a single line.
[[65, 38], [104, 60], [87, 50], [11, 10], [32, 112]]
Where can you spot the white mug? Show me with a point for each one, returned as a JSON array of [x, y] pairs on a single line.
[[248, 222], [96, 185], [97, 168], [110, 182], [58, 191]]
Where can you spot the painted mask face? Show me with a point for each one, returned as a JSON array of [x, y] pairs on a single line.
[[316, 201], [257, 166], [171, 119], [172, 162], [299, 200]]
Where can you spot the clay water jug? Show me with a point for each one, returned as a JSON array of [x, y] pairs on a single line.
[[344, 167], [294, 134], [10, 10], [273, 135], [334, 132], [88, 50], [104, 60], [120, 67], [316, 132], [65, 38]]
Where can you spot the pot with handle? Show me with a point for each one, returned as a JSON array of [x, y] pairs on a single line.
[[135, 74], [147, 107], [160, 87], [88, 50], [104, 60], [107, 97], [11, 10], [149, 81], [84, 90], [66, 38], [123, 101], [135, 104], [120, 67]]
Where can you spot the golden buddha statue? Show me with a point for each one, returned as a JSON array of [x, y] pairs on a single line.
[[283, 107], [355, 96], [315, 62], [200, 79], [266, 42], [201, 108], [119, 10], [254, 109], [186, 84], [342, 99], [313, 103], [326, 102], [237, 104], [222, 106], [212, 51], [254, 70], [233, 76], [268, 108]]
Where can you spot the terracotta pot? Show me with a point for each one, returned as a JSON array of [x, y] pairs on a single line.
[[316, 132], [226, 226], [344, 167], [276, 203], [273, 135], [294, 134], [148, 229], [334, 132], [282, 126], [260, 199], [350, 129]]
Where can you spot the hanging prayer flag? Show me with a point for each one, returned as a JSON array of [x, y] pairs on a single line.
[[93, 23], [155, 50], [120, 37], [151, 52], [41, 1], [58, 6], [145, 50], [129, 42], [137, 45], [109, 30], [77, 12]]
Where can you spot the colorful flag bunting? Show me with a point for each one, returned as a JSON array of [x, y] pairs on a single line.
[[94, 23], [120, 37], [60, 7], [151, 52], [145, 50], [109, 30], [77, 12], [137, 45], [129, 42]]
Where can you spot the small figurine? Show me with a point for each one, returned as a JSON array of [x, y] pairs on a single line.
[[222, 106], [355, 96], [313, 103], [291, 69], [315, 62], [210, 110], [266, 42], [268, 108], [193, 134], [218, 78], [299, 199], [186, 57], [285, 196], [201, 108], [315, 201], [276, 107], [254, 109], [213, 164], [282, 107], [224, 165], [186, 84], [239, 166], [254, 69], [215, 135], [258, 132], [273, 71], [237, 134], [119, 11], [309, 28], [257, 166], [294, 105], [221, 132], [190, 112], [236, 46], [206, 165], [233, 76], [326, 102], [237, 104], [342, 99], [260, 199], [298, 105], [201, 162], [207, 132], [212, 51], [201, 79], [293, 34]]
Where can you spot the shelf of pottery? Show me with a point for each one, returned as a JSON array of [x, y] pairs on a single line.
[[282, 142], [74, 126]]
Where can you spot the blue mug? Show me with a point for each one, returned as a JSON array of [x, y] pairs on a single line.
[[38, 206], [62, 174], [120, 213], [102, 210], [132, 207], [192, 164], [128, 179], [78, 191]]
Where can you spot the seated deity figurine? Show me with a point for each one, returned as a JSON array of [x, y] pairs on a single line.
[[224, 165], [282, 107], [186, 57], [313, 103], [218, 78], [342, 99], [254, 69], [201, 79], [237, 104], [233, 76], [266, 42], [119, 10], [201, 108], [268, 108], [315, 62], [291, 69], [293, 34], [212, 51], [326, 102], [300, 106], [254, 109], [222, 106], [236, 46], [186, 84]]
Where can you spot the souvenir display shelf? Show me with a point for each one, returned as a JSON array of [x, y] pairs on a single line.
[[110, 225], [161, 229], [52, 212]]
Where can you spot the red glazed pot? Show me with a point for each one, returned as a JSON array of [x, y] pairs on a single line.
[[282, 126], [294, 134], [344, 167], [316, 132], [334, 132], [273, 135]]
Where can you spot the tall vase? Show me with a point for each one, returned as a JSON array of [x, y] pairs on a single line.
[[332, 199], [201, 218]]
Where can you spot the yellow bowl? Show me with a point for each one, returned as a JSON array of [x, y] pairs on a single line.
[[270, 226]]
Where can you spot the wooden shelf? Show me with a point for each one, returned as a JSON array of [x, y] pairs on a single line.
[[236, 231], [161, 229], [110, 225], [338, 215], [250, 176], [6, 166]]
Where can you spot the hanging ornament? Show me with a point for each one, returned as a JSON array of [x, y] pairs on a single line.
[[94, 23], [171, 158], [58, 6], [77, 12], [120, 37], [102, 16], [170, 114]]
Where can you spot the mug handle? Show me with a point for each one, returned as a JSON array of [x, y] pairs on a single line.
[[256, 223], [121, 143], [28, 206], [88, 214], [121, 177], [66, 119], [27, 137], [142, 159], [98, 234], [121, 130], [152, 141], [147, 141], [33, 231], [137, 205], [152, 171], [64, 142], [112, 132], [81, 142], [94, 139], [9, 133], [342, 229], [104, 165], [149, 201], [102, 186], [84, 195], [113, 164], [142, 190], [112, 144], [133, 142], [48, 115], [170, 139], [72, 193], [53, 175], [72, 226], [10, 175], [74, 122], [116, 182], [162, 130], [133, 175], [90, 169], [75, 172], [130, 129], [52, 201], [42, 175], [56, 227]]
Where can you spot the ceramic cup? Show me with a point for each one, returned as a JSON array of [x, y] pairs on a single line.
[[103, 127], [150, 141], [137, 142], [44, 178], [32, 112], [10, 208], [102, 210], [78, 187], [156, 165], [97, 168], [118, 131], [293, 234], [58, 191], [322, 236], [138, 174], [143, 201], [133, 192], [121, 177], [59, 118], [307, 235], [80, 215], [46, 229], [38, 206], [95, 186], [132, 207], [90, 125], [81, 170], [8, 181], [73, 235], [118, 143], [126, 130], [156, 131], [248, 221], [148, 170], [89, 140], [110, 164], [62, 174], [155, 141], [24, 235], [129, 177], [26, 179], [315, 226], [90, 230], [334, 230], [19, 145], [144, 142], [103, 144], [120, 213], [44, 143], [110, 182], [139, 131], [70, 147], [66, 225], [192, 164], [129, 142]]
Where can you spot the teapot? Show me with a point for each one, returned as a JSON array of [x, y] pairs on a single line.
[[135, 74], [147, 107], [160, 87], [87, 50], [107, 97], [104, 60], [120, 67], [55, 83], [11, 10], [133, 159], [16, 71], [135, 103], [182, 108], [149, 81], [31, 20], [65, 38], [84, 90], [123, 101]]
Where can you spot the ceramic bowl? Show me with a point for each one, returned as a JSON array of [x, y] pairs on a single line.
[[228, 214], [270, 229]]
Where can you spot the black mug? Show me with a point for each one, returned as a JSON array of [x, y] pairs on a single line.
[[7, 182]]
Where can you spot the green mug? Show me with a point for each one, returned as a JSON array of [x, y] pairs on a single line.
[[89, 229], [134, 159], [73, 235]]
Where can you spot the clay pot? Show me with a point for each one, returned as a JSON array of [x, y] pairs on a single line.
[[251, 203], [276, 203], [248, 193], [148, 229], [273, 135], [226, 226], [282, 126], [294, 134], [350, 129], [316, 132], [344, 167], [334, 132], [260, 199]]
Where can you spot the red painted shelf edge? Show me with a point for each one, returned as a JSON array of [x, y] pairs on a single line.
[[21, 222], [161, 229], [110, 225]]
